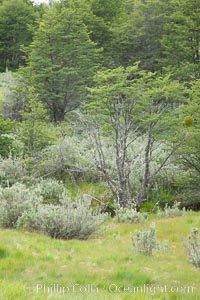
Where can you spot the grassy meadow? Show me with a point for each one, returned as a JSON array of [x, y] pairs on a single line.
[[33, 266]]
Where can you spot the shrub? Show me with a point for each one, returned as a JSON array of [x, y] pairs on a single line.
[[6, 140], [170, 212], [70, 220], [130, 215], [51, 190], [192, 246], [14, 201], [145, 241], [66, 159], [11, 170]]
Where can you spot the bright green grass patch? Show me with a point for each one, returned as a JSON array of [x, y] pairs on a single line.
[[95, 189], [3, 253], [34, 266]]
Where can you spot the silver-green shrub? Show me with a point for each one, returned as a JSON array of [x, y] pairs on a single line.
[[51, 190], [192, 246], [170, 212], [70, 220], [11, 170], [66, 159], [14, 201], [145, 241], [130, 215]]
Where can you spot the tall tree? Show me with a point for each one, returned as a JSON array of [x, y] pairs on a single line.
[[130, 103], [62, 60], [136, 36], [16, 17], [181, 39], [189, 155]]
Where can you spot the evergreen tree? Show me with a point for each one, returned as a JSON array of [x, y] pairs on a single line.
[[181, 41], [16, 17], [62, 60]]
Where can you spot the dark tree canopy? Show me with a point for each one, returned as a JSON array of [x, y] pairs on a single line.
[[16, 19], [62, 61]]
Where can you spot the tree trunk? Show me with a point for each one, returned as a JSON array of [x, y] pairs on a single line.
[[146, 178], [58, 115]]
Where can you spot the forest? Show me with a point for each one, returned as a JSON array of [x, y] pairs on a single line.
[[100, 118]]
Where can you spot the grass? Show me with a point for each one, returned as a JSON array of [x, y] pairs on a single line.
[[82, 187], [33, 266]]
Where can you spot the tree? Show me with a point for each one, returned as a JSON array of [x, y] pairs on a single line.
[[158, 119], [62, 60], [33, 131], [128, 104], [16, 17], [189, 155], [136, 35], [114, 101], [102, 17], [181, 40], [159, 34]]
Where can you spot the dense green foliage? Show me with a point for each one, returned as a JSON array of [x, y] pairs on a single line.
[[106, 93], [62, 61], [16, 19]]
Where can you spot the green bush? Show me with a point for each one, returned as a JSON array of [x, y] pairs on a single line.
[[192, 246], [149, 206], [70, 220], [145, 241], [14, 201]]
